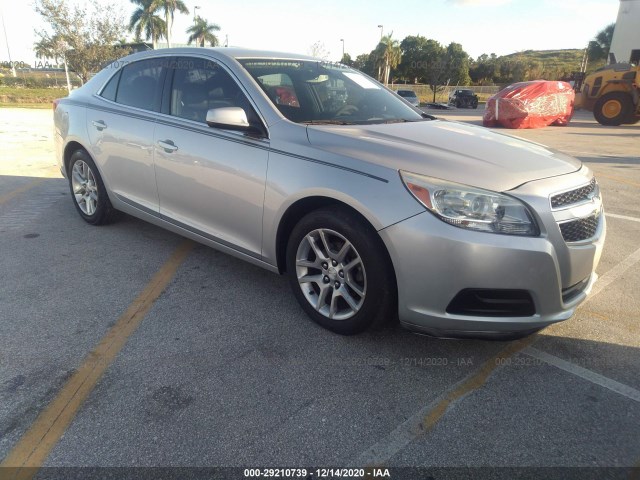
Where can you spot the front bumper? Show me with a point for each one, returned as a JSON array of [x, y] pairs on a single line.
[[435, 261]]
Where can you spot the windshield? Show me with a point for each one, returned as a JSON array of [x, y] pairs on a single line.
[[319, 92], [406, 93]]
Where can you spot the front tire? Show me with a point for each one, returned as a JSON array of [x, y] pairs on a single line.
[[340, 272], [88, 191], [613, 109]]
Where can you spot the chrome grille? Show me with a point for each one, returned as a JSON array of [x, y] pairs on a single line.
[[572, 197], [580, 229]]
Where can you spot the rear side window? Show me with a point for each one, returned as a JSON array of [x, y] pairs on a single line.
[[141, 84], [109, 91]]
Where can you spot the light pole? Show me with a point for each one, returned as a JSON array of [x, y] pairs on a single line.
[[342, 40], [6, 39], [194, 12], [381, 27]]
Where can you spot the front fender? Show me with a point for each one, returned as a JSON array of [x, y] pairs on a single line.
[[289, 180]]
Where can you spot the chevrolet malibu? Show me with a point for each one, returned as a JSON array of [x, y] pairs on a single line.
[[372, 208]]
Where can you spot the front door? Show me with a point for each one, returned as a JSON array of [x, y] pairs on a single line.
[[211, 181]]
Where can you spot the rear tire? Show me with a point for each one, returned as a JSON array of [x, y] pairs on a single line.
[[87, 190], [613, 109], [340, 271]]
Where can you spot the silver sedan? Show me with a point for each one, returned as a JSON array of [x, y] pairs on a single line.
[[371, 207]]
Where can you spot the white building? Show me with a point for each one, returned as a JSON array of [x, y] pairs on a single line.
[[626, 37]]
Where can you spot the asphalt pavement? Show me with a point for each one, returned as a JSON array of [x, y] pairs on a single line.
[[224, 369]]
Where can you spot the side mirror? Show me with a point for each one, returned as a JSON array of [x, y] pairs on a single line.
[[234, 118], [231, 118]]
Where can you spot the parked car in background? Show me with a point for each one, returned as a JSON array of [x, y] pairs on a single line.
[[410, 96], [463, 98], [371, 207]]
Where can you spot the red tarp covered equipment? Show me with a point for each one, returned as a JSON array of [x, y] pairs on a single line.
[[530, 105]]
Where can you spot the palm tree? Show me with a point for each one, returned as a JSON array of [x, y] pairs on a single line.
[[145, 19], [202, 31], [390, 55], [170, 7]]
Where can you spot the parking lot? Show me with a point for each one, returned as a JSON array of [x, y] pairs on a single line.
[[127, 345]]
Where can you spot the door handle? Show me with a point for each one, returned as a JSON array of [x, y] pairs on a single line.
[[99, 124], [167, 145]]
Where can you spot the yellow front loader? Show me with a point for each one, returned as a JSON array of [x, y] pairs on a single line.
[[612, 93]]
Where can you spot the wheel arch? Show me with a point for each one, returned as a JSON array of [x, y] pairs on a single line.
[[301, 207], [71, 147]]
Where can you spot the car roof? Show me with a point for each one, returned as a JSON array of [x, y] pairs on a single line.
[[227, 52]]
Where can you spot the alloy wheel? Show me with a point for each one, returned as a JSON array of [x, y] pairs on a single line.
[[85, 188], [331, 274]]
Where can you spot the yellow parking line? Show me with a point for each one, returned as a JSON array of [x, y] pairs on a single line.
[[595, 314], [475, 382], [28, 455], [8, 196]]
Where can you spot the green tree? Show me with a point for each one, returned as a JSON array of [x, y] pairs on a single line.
[[457, 64], [431, 66], [346, 60], [86, 38], [202, 31], [414, 50], [363, 63], [53, 48], [484, 70], [145, 19], [170, 7], [601, 44]]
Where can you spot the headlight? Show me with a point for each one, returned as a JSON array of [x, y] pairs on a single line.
[[470, 207]]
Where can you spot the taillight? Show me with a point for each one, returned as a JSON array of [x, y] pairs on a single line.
[[55, 104]]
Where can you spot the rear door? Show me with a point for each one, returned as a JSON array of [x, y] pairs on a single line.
[[211, 181], [121, 123]]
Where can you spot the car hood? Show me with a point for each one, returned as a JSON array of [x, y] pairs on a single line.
[[447, 150]]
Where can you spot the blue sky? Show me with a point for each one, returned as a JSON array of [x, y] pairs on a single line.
[[481, 26]]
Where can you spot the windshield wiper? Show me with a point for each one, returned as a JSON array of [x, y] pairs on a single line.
[[328, 122], [396, 120]]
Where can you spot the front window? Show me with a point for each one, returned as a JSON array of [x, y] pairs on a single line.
[[318, 92], [200, 85]]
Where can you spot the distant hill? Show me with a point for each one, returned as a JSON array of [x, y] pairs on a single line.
[[567, 55], [567, 60], [528, 65]]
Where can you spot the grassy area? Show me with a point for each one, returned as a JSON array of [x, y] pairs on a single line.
[[29, 97]]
